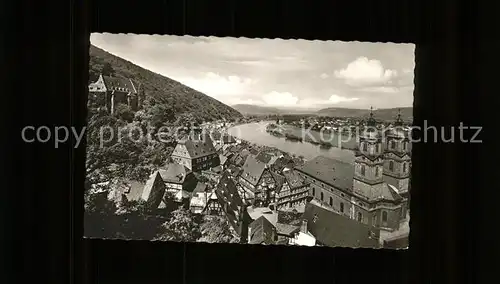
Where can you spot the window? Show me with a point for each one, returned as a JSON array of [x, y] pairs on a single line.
[[365, 147], [376, 172], [331, 201], [404, 168], [322, 196], [360, 217], [404, 145], [374, 220], [363, 170], [378, 148], [341, 207], [384, 216], [393, 144], [314, 191], [391, 165]]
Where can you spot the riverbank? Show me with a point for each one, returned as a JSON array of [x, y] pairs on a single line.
[[323, 139], [256, 133]]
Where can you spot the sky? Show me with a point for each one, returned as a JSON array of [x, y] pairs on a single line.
[[275, 72]]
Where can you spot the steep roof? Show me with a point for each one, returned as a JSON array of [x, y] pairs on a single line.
[[381, 191], [155, 180], [230, 201], [174, 173], [199, 148], [200, 187], [332, 229], [119, 84], [262, 232], [286, 229], [294, 179], [253, 170], [222, 159], [280, 181], [333, 172], [263, 157]]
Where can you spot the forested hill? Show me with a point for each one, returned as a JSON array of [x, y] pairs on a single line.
[[176, 97]]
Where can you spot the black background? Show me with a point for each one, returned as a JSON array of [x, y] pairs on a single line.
[[45, 58]]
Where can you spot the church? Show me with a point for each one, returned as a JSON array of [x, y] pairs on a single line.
[[373, 190]]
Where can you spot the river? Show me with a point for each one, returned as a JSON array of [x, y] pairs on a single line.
[[256, 133]]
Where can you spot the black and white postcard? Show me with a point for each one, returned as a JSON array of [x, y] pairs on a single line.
[[249, 141]]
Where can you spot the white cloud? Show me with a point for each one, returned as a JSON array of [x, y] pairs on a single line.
[[334, 99], [390, 90], [324, 76], [216, 85], [280, 99], [365, 71]]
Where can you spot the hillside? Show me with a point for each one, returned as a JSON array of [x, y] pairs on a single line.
[[380, 114], [255, 110], [160, 89]]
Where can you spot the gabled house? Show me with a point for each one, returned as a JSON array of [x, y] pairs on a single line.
[[199, 198], [196, 154], [256, 184], [294, 193], [154, 190], [286, 233], [179, 181], [262, 232]]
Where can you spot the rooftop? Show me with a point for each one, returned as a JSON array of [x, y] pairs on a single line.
[[119, 84], [333, 172], [257, 212], [262, 231], [332, 229], [199, 147], [294, 179], [253, 170], [174, 173]]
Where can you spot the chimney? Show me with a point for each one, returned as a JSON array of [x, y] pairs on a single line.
[[303, 226]]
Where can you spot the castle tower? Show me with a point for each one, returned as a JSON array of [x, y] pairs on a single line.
[[397, 157], [368, 163]]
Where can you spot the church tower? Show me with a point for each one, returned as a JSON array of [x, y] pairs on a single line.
[[397, 157], [368, 163]]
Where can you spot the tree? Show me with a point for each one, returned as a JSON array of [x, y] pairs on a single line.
[[181, 227], [107, 69], [123, 112], [215, 229]]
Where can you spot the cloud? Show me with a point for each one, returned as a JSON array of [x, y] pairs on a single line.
[[216, 85], [381, 89], [334, 99], [280, 99], [324, 76], [364, 71]]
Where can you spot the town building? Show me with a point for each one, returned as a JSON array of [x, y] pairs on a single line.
[[294, 193], [334, 230], [256, 184], [154, 190], [262, 232], [196, 154], [199, 198], [110, 91], [233, 207], [179, 181], [358, 191]]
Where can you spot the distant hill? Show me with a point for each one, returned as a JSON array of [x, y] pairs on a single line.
[[387, 114], [264, 110], [182, 99], [256, 110]]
